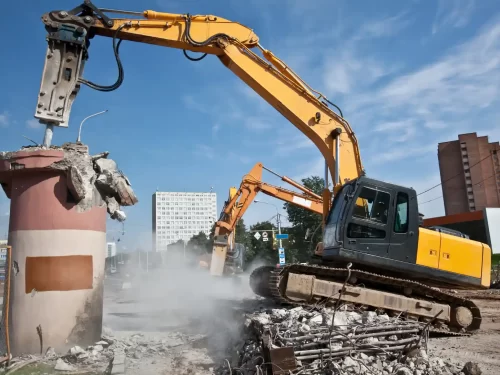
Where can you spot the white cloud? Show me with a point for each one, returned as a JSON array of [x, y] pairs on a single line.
[[451, 94], [4, 119], [204, 151], [397, 131], [452, 13], [257, 124], [348, 69], [402, 152], [384, 27], [287, 145], [33, 124]]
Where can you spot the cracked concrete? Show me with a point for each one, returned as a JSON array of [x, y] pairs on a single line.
[[91, 180]]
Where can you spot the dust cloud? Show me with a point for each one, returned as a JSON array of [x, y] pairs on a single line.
[[180, 296]]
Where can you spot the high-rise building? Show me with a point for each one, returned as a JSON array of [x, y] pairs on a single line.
[[180, 215], [470, 173]]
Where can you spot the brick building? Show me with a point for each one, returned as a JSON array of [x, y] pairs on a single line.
[[470, 173]]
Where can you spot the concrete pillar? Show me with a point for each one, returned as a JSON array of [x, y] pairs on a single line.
[[58, 256]]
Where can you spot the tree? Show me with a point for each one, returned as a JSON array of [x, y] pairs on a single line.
[[199, 244], [240, 232], [302, 220], [259, 249]]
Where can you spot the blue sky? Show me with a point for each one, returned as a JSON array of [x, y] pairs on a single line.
[[407, 75]]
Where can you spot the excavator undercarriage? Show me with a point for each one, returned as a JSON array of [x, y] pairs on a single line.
[[306, 284]]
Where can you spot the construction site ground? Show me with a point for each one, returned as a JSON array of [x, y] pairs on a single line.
[[183, 321], [174, 324]]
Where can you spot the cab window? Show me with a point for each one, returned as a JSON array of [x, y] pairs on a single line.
[[372, 205], [401, 217]]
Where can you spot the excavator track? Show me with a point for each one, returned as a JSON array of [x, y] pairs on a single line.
[[269, 282]]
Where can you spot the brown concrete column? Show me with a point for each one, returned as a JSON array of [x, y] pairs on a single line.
[[58, 255]]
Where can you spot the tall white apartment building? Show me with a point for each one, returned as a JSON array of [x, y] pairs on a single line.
[[180, 215]]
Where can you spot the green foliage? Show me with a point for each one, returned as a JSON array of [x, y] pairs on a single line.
[[259, 249], [240, 233], [495, 259], [300, 249], [199, 244]]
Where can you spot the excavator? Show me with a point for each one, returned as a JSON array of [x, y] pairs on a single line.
[[374, 253], [226, 250]]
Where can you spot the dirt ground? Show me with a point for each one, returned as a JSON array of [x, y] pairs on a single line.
[[173, 326], [482, 347]]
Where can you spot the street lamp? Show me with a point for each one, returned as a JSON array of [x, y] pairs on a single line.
[[277, 217], [85, 119]]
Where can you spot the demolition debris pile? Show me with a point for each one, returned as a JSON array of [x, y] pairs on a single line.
[[92, 180], [99, 357], [305, 341]]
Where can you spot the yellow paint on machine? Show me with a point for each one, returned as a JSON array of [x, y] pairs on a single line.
[[460, 255], [454, 254], [429, 242], [486, 275]]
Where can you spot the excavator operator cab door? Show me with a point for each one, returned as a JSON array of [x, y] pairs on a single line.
[[367, 225], [379, 219]]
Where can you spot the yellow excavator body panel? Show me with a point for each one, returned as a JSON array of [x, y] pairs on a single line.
[[454, 254]]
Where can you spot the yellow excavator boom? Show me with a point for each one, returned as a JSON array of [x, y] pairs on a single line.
[[239, 201], [234, 44]]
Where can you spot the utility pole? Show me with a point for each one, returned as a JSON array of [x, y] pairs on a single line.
[[279, 227]]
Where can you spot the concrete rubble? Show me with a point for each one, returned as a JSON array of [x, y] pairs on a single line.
[[96, 358], [92, 180], [356, 343]]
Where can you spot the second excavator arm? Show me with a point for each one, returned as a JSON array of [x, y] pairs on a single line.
[[239, 201], [70, 32]]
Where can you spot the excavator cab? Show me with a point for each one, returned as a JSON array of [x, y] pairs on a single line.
[[372, 223], [376, 226]]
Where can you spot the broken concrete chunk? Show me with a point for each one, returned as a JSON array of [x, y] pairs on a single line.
[[63, 366], [279, 313], [384, 318], [76, 185], [106, 332], [104, 343], [75, 350], [404, 371], [471, 368], [263, 319], [83, 355], [369, 317], [350, 363], [103, 165], [51, 352], [125, 192], [304, 328]]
